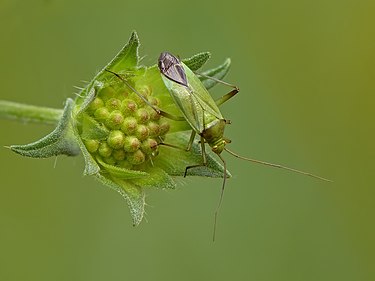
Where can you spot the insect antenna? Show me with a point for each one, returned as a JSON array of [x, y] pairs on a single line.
[[221, 197], [276, 166]]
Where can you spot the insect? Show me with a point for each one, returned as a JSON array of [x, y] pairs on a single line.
[[202, 113]]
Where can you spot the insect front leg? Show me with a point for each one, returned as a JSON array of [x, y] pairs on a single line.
[[226, 97]]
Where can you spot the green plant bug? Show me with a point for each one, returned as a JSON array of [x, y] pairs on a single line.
[[202, 113]]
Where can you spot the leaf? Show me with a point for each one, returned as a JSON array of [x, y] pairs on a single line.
[[157, 178], [121, 173], [133, 195], [217, 73], [60, 141], [127, 57], [87, 96], [92, 129], [197, 61], [91, 167]]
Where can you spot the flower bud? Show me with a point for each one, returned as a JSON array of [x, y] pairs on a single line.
[[131, 144], [136, 158], [104, 150], [154, 129], [149, 146], [154, 115], [154, 101], [142, 132], [96, 104], [116, 139], [102, 114], [107, 93], [145, 90], [129, 125], [115, 120], [113, 104], [142, 115], [164, 127], [119, 154], [128, 107], [92, 145]]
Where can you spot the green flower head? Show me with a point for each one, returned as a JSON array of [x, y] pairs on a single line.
[[115, 124]]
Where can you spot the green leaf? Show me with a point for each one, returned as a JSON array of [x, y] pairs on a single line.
[[121, 173], [127, 57], [133, 195], [87, 95], [217, 73], [92, 129], [157, 178], [197, 61], [59, 141], [91, 167]]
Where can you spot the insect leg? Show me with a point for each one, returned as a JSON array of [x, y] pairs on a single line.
[[191, 140], [162, 113], [203, 156], [218, 80], [226, 97]]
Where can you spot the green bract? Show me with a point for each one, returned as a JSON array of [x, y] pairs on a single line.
[[119, 134]]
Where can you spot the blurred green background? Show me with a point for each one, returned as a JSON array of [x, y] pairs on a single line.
[[306, 73]]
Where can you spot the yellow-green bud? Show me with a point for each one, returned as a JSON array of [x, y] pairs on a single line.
[[101, 114], [154, 129], [92, 145], [95, 104], [142, 115], [164, 127], [119, 154], [113, 104], [149, 145], [116, 139], [131, 144], [137, 157], [115, 120], [128, 107], [129, 125], [104, 150], [142, 132], [107, 93]]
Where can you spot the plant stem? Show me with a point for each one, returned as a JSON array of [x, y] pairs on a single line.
[[29, 113]]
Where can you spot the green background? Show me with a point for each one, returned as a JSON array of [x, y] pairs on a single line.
[[306, 73]]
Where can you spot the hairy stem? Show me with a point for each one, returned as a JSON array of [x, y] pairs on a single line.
[[29, 113]]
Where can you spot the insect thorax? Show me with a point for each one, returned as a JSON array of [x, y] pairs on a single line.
[[214, 135]]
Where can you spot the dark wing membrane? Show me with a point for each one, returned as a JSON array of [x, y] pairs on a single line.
[[171, 67]]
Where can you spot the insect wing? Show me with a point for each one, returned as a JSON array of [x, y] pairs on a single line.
[[187, 103], [201, 94], [171, 67]]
